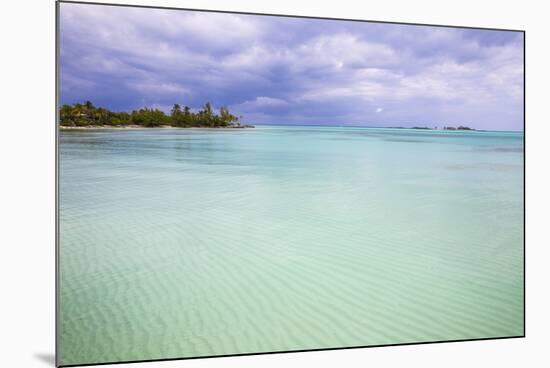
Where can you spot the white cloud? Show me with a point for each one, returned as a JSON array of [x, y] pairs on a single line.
[[159, 88], [263, 101], [292, 67]]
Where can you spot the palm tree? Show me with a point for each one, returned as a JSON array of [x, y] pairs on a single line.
[[176, 110]]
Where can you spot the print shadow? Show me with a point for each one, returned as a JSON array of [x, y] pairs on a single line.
[[47, 358]]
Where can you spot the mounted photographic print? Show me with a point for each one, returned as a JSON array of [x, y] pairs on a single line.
[[233, 183]]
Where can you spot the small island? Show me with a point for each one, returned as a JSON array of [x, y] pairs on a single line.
[[87, 115], [460, 127]]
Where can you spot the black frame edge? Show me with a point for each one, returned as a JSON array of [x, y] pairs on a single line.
[[57, 227], [293, 351], [56, 185], [286, 15]]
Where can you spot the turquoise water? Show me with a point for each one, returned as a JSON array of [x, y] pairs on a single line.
[[196, 242]]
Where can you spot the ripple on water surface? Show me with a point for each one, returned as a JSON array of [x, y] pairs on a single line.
[[186, 243]]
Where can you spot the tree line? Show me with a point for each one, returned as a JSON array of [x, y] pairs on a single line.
[[86, 114]]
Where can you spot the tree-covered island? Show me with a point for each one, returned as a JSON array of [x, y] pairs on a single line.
[[87, 115]]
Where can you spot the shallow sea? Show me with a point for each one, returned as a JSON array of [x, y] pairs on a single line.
[[197, 242]]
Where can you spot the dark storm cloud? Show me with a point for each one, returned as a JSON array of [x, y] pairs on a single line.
[[289, 70]]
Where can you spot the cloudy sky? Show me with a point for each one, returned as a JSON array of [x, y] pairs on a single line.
[[281, 70]]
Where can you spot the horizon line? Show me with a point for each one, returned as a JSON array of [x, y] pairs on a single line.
[[395, 126], [384, 127]]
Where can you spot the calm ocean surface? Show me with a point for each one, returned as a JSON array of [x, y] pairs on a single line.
[[195, 242]]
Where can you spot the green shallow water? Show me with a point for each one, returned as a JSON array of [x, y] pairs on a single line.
[[188, 242]]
